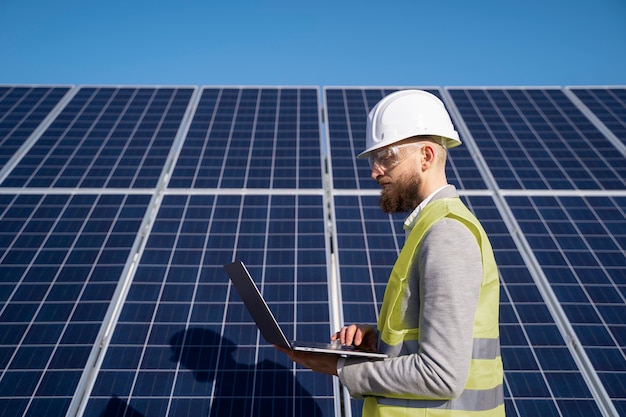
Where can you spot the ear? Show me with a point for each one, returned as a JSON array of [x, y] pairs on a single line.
[[429, 155]]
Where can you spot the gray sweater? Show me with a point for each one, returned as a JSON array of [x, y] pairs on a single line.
[[444, 286]]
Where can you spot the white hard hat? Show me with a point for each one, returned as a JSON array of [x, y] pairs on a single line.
[[405, 114]]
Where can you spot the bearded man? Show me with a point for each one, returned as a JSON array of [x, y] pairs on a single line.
[[439, 319]]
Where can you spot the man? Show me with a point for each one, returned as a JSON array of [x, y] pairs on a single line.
[[439, 318]]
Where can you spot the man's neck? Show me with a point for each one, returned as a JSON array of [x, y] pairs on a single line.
[[430, 187], [410, 220]]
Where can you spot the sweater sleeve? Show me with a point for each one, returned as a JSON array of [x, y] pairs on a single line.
[[449, 270]]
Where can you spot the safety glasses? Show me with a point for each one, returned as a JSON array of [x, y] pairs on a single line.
[[390, 157]]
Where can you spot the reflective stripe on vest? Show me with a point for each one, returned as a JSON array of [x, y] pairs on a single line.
[[481, 349], [470, 400]]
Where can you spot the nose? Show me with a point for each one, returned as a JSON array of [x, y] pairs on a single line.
[[376, 172]]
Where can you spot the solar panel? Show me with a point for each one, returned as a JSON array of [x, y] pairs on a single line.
[[609, 105], [119, 205], [22, 109], [368, 244], [60, 259], [580, 243], [184, 343], [252, 138], [105, 137], [538, 139]]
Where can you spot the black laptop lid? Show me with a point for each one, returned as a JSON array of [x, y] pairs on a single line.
[[256, 305]]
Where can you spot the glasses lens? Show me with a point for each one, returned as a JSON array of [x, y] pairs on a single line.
[[388, 158], [384, 159]]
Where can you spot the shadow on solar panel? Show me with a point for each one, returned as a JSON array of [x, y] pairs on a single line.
[[211, 357]]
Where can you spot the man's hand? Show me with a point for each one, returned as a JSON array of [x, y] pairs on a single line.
[[318, 362], [362, 336]]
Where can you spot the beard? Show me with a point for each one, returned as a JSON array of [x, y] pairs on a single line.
[[400, 196]]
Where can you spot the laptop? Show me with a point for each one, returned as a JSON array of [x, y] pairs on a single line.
[[269, 327]]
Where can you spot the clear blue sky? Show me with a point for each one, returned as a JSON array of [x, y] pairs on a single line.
[[325, 43]]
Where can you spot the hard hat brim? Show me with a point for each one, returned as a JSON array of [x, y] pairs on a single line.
[[449, 143]]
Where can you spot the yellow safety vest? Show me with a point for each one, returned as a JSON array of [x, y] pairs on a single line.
[[483, 394]]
